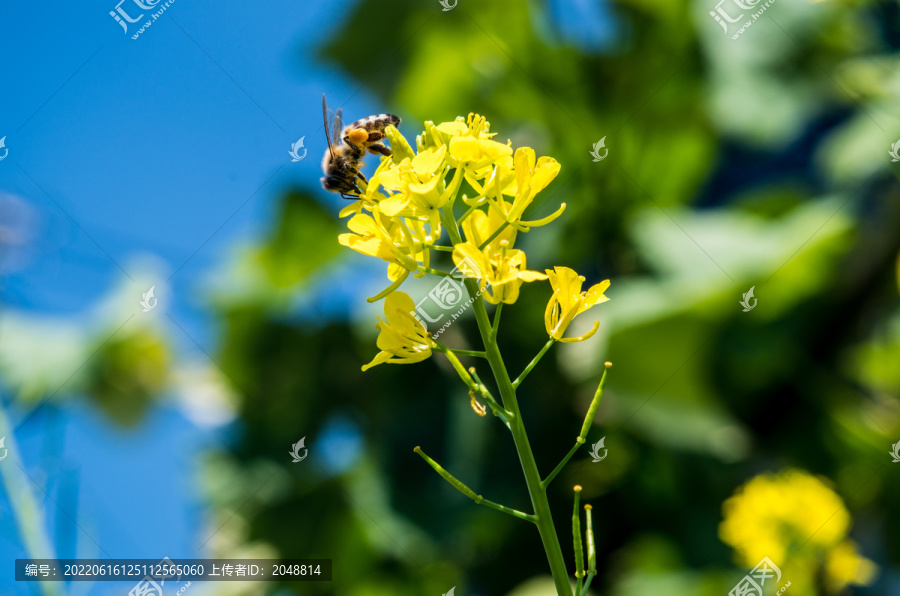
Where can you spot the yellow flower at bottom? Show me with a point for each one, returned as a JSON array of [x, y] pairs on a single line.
[[797, 521], [844, 566], [403, 339], [568, 300]]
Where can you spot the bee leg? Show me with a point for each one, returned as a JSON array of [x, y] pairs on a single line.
[[356, 137], [379, 149], [362, 177], [374, 137]]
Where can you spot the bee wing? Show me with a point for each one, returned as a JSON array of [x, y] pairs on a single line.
[[329, 135], [338, 128]]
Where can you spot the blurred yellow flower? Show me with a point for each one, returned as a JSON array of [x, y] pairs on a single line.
[[402, 338], [794, 519], [568, 300]]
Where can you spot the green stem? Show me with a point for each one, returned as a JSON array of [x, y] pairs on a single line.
[[496, 325], [585, 427], [458, 485], [435, 272], [475, 386], [578, 443], [469, 353], [438, 247], [534, 362], [496, 233], [536, 490], [587, 583], [576, 541]]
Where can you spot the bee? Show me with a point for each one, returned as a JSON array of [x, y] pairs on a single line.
[[346, 148]]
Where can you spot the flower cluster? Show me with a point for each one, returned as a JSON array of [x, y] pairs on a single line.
[[795, 519], [407, 208]]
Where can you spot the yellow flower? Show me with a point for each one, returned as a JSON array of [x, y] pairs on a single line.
[[374, 237], [418, 188], [772, 515], [844, 566], [470, 145], [402, 338], [568, 300], [503, 270], [480, 226]]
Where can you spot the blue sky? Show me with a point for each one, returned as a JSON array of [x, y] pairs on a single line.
[[122, 148]]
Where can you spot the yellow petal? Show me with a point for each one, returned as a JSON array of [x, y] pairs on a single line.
[[546, 170], [465, 148], [530, 276], [394, 204], [544, 220], [470, 261], [524, 166], [595, 295], [457, 127], [380, 358], [587, 335], [429, 162]]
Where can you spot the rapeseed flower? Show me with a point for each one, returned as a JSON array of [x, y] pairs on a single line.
[[796, 520], [568, 301], [402, 338], [499, 273]]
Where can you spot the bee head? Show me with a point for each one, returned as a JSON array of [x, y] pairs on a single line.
[[332, 183]]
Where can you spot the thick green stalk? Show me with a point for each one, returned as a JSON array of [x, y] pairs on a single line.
[[536, 490]]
